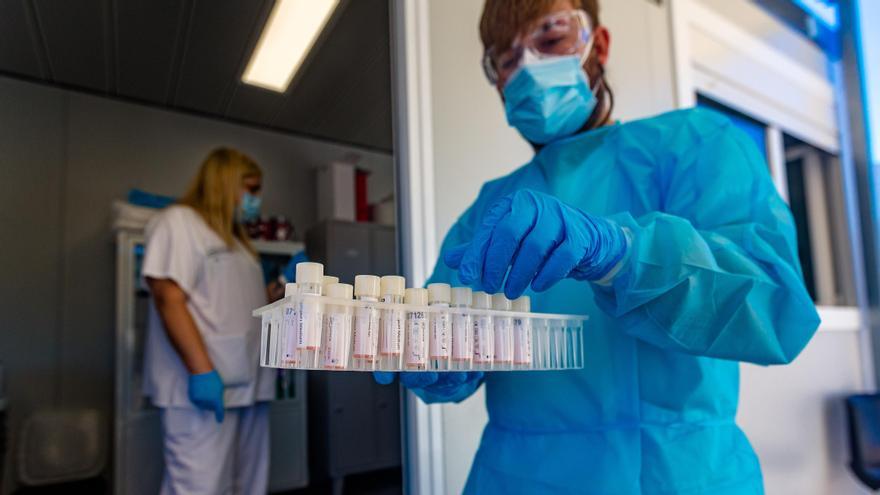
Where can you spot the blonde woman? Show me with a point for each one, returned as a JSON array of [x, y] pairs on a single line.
[[201, 364]]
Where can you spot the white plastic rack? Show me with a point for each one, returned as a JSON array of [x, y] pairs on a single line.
[[311, 332]]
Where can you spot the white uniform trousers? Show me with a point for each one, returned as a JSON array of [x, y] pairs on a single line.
[[203, 456]]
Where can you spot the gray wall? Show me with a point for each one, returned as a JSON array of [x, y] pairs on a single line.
[[64, 157]]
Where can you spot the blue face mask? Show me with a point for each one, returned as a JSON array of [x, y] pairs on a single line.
[[250, 207], [549, 99]]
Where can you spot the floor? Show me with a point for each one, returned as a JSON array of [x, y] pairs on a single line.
[[385, 482]]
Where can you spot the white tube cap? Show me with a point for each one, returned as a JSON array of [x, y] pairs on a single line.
[[522, 304], [289, 289], [392, 285], [339, 291], [366, 286], [500, 302], [418, 297], [327, 280], [461, 296], [439, 293], [481, 300], [309, 273]]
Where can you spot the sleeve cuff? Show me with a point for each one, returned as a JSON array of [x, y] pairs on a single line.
[[608, 279]]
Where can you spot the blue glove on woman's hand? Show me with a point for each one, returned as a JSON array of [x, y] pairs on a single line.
[[206, 392], [449, 386], [542, 240]]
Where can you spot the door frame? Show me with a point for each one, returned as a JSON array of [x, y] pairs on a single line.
[[422, 428]]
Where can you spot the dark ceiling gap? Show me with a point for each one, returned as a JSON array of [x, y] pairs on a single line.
[[184, 25], [376, 59], [196, 113], [315, 51], [246, 53], [189, 57], [273, 120], [111, 41], [343, 99], [232, 92], [41, 47]]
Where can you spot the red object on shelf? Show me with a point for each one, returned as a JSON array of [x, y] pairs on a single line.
[[363, 212], [265, 229], [283, 229], [253, 229]]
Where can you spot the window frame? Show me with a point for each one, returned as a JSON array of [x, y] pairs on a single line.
[[698, 72]]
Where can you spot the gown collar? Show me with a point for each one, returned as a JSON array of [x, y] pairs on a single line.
[[565, 155]]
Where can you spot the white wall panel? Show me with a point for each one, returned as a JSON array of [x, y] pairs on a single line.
[[743, 57], [794, 416]]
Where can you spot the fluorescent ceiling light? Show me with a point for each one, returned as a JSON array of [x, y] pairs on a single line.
[[289, 34]]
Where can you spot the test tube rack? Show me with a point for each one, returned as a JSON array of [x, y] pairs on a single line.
[[554, 341]]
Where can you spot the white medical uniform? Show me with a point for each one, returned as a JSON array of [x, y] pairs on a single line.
[[223, 286]]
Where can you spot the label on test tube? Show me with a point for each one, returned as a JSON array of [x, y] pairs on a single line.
[[416, 339], [325, 335], [522, 341], [484, 342], [290, 334], [336, 339], [461, 337], [309, 326], [440, 335], [366, 333], [503, 339], [392, 332]]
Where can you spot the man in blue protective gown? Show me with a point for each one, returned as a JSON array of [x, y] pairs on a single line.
[[667, 231]]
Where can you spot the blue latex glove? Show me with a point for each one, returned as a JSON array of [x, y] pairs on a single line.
[[289, 271], [435, 387], [206, 392], [541, 240]]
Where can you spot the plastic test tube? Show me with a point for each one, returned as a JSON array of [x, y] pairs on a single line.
[[326, 281], [266, 339], [392, 288], [462, 343], [484, 340], [337, 327], [416, 338], [522, 334], [366, 322], [271, 337], [439, 296], [308, 279], [503, 333], [284, 350]]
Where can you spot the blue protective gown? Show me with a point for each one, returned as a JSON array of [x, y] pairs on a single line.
[[711, 278]]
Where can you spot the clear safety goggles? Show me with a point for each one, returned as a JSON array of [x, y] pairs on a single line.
[[559, 34]]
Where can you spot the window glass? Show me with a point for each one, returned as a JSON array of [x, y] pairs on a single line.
[[815, 192], [753, 128]]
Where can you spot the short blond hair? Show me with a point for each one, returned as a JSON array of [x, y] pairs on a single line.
[[503, 20], [214, 191]]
